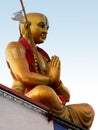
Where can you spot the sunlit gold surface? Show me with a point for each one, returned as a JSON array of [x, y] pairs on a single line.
[[47, 87]]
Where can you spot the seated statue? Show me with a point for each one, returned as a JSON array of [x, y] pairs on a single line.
[[37, 76]]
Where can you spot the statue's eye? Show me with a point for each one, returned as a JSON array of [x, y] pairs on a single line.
[[41, 24]]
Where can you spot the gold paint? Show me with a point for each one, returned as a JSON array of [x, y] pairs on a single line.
[[17, 53], [45, 88]]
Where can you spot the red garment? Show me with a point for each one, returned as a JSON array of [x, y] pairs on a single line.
[[29, 53], [62, 99], [30, 59]]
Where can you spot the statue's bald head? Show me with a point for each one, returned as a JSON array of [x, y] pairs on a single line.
[[33, 18], [38, 25]]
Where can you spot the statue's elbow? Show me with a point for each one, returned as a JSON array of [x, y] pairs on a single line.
[[23, 78]]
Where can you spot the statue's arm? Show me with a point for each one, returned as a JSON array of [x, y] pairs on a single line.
[[16, 58]]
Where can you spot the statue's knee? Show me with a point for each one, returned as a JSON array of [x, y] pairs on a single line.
[[44, 91], [40, 92], [91, 110]]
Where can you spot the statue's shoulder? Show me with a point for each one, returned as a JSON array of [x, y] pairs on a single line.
[[13, 44]]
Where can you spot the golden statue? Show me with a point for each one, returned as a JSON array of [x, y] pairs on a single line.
[[37, 76]]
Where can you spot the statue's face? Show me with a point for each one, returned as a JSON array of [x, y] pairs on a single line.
[[39, 27]]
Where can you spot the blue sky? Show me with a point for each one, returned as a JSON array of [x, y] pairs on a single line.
[[73, 36]]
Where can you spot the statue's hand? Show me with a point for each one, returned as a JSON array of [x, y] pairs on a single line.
[[54, 70]]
